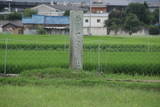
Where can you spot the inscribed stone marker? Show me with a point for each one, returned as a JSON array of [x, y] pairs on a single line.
[[76, 40]]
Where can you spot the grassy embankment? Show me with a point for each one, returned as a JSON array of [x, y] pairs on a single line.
[[65, 88]]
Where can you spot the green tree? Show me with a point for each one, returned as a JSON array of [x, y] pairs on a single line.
[[13, 16], [41, 30], [66, 13], [113, 24], [120, 14], [140, 10], [155, 15], [1, 9], [154, 30], [115, 21], [29, 12], [132, 24]]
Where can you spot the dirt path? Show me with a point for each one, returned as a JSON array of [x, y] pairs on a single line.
[[8, 75], [118, 80], [147, 81]]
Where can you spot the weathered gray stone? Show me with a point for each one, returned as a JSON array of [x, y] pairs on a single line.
[[76, 40]]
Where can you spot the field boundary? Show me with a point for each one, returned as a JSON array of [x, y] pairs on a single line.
[[117, 80], [8, 75], [146, 81]]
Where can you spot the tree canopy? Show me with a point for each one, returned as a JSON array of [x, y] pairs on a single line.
[[11, 16], [29, 12], [132, 24], [134, 17]]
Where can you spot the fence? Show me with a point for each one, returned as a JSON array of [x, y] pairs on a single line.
[[131, 55], [20, 55]]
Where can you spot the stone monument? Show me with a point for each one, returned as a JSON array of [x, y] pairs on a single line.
[[76, 40]]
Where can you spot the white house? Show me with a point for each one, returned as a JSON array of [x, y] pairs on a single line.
[[93, 24]]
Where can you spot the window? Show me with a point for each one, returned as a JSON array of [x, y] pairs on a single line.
[[98, 20], [86, 20]]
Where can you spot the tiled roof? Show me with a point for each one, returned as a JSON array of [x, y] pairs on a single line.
[[15, 22], [40, 19], [66, 7]]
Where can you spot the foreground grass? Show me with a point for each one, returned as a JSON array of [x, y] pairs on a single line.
[[72, 96], [55, 87]]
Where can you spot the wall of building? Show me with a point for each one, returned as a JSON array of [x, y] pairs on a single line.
[[98, 31], [99, 9], [95, 22], [58, 31], [48, 11], [142, 32], [30, 31], [1, 29]]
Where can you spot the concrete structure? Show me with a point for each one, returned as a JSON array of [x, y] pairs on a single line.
[[142, 32], [94, 24], [76, 40]]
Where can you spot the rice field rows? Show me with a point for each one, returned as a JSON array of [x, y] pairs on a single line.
[[131, 55]]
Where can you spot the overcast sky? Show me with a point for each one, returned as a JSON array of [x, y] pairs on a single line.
[[79, 0]]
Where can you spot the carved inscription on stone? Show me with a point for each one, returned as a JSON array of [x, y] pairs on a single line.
[[76, 39]]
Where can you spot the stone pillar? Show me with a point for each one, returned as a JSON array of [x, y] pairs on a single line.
[[76, 40]]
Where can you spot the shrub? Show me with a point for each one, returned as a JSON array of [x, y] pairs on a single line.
[[154, 30], [41, 31]]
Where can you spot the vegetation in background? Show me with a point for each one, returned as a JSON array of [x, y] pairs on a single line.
[[67, 13], [154, 30], [115, 21], [41, 30], [11, 16], [135, 12], [1, 9], [132, 24], [113, 25], [29, 13], [140, 10], [18, 15]]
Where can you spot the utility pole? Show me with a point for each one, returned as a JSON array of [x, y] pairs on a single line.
[[90, 23], [9, 5], [159, 15]]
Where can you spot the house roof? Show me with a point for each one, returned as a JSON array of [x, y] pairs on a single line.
[[11, 24], [41, 19], [62, 7], [15, 22], [66, 7], [57, 20], [96, 15], [154, 3]]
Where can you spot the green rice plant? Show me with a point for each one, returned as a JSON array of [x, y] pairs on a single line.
[[131, 55], [115, 62]]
